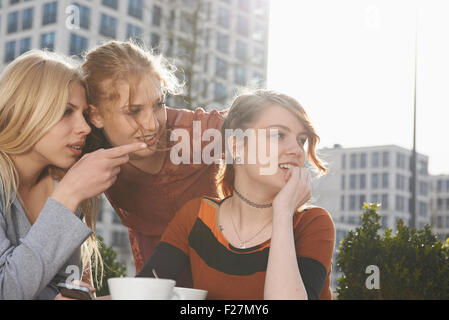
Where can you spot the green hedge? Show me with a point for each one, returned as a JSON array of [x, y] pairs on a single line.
[[412, 264]]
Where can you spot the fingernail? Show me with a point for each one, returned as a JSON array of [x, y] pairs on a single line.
[[143, 145]]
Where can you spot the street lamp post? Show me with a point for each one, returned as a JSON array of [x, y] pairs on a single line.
[[413, 223]]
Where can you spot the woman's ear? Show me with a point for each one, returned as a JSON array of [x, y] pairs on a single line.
[[95, 117]]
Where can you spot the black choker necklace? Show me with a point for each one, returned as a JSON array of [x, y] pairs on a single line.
[[253, 204]]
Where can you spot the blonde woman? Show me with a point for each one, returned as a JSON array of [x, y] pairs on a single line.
[[42, 203], [259, 240], [127, 86]]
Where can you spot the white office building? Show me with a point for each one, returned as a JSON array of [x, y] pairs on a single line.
[[439, 191], [229, 38], [379, 174]]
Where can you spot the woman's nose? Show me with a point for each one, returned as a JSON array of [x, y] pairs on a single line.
[[82, 126], [150, 122]]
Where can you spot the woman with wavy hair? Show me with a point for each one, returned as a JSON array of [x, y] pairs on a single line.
[[45, 192], [127, 87], [260, 239]]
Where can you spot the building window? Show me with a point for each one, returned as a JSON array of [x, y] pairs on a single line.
[[27, 18], [343, 182], [48, 41], [50, 13], [13, 22], [385, 159], [84, 16], [240, 76], [78, 45], [374, 198], [363, 160], [25, 45], [187, 24], [119, 239], [375, 159], [362, 200], [135, 9], [108, 27], [10, 51], [259, 57], [439, 222], [385, 201], [439, 204], [156, 16], [110, 3], [115, 218], [422, 167], [343, 161], [353, 160], [224, 17], [385, 182], [362, 181], [222, 42], [242, 26], [423, 188], [352, 202], [342, 203], [133, 32], [259, 33], [243, 5], [384, 222], [374, 180], [241, 50], [422, 209], [353, 181], [220, 93], [221, 68], [155, 40]]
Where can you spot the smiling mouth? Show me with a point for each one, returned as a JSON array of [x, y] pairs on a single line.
[[287, 166], [79, 148], [147, 138]]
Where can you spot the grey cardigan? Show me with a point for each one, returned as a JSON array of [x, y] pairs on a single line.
[[34, 258]]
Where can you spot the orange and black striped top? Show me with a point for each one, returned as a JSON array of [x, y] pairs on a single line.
[[227, 272]]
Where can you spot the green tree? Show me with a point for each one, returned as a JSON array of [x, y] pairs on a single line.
[[412, 264], [112, 268]]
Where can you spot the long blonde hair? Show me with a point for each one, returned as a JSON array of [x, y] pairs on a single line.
[[34, 92]]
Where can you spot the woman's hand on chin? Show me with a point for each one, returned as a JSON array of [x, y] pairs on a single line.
[[295, 193]]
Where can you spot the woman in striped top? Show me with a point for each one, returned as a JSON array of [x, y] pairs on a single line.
[[259, 240]]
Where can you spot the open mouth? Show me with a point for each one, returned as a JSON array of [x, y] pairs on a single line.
[[79, 148], [149, 140]]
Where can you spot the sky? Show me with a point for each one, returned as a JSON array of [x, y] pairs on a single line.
[[351, 66]]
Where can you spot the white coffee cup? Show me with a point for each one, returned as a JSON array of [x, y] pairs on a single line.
[[188, 294], [141, 289]]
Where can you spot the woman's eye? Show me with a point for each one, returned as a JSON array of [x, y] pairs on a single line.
[[133, 111], [302, 141], [279, 135], [160, 104], [68, 111]]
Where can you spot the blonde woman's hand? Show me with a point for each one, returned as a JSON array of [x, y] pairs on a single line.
[[295, 193], [93, 174]]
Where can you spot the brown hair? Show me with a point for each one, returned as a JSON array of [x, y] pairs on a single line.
[[243, 112], [127, 61]]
